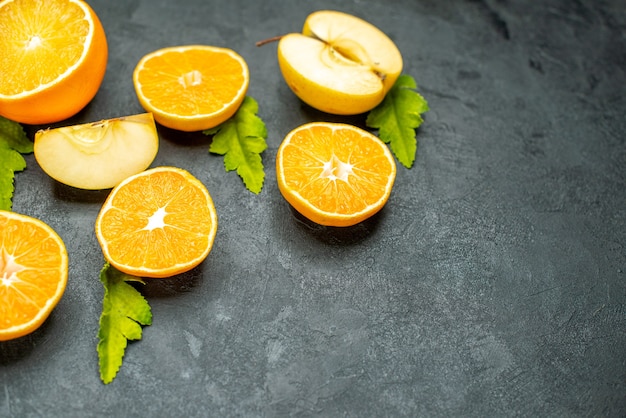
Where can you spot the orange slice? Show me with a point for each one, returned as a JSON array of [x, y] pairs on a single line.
[[53, 60], [33, 273], [191, 88], [157, 223], [334, 174]]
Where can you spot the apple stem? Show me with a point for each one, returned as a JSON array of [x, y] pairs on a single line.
[[269, 40]]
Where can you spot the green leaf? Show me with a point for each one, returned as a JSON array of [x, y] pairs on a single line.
[[13, 141], [12, 134], [12, 161], [241, 140], [124, 311], [397, 118]]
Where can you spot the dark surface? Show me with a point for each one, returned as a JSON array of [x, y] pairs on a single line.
[[492, 283]]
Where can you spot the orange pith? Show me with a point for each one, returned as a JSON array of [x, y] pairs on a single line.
[[158, 223], [334, 174], [191, 87], [53, 60], [33, 273]]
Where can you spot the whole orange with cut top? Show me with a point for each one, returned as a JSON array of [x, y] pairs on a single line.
[[33, 273], [191, 87], [53, 60], [334, 174], [158, 223]]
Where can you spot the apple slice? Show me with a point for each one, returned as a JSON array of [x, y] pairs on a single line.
[[98, 155], [340, 63]]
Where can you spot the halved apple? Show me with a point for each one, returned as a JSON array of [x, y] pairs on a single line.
[[340, 63], [98, 155]]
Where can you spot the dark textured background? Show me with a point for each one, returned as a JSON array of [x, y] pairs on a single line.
[[492, 283]]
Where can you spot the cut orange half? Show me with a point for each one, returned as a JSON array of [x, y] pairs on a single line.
[[33, 273], [157, 223], [191, 88], [334, 174], [53, 60]]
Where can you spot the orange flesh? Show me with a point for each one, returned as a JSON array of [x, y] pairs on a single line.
[[334, 174], [53, 60], [190, 83], [33, 274], [157, 225], [341, 176], [40, 49]]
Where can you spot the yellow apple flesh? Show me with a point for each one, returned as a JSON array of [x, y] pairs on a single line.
[[98, 155], [339, 64]]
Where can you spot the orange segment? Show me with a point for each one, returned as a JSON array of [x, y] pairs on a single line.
[[157, 223], [53, 60], [191, 88], [33, 273], [334, 174]]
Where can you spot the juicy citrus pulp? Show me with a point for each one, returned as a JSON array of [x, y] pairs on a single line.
[[191, 88], [334, 174], [98, 155], [157, 223], [53, 60], [33, 273]]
